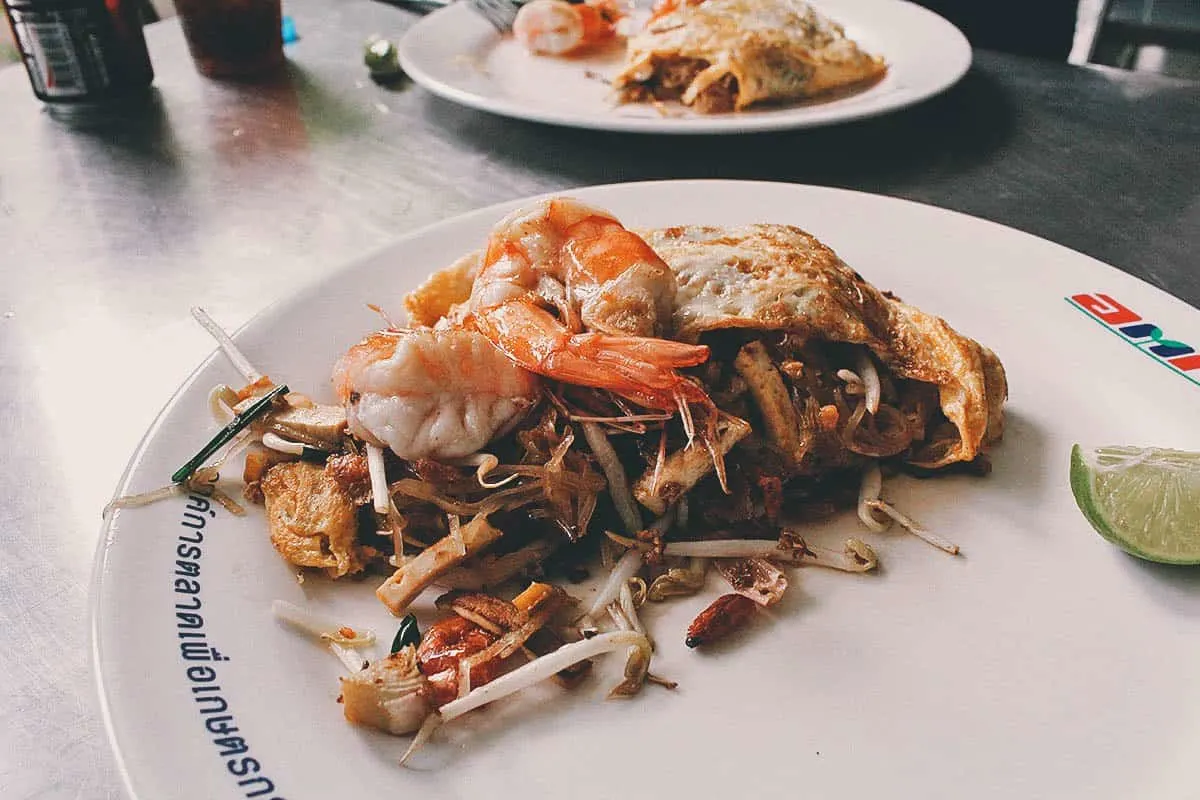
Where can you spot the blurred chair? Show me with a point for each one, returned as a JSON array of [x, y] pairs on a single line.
[[1127, 31], [1038, 28]]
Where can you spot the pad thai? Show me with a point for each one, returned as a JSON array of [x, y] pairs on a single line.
[[575, 395]]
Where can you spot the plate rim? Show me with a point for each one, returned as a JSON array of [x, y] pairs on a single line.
[[957, 43], [267, 313]]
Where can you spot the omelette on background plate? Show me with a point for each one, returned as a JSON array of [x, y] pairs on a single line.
[[727, 55]]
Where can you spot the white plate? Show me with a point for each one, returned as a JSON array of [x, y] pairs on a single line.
[[456, 54], [1041, 663]]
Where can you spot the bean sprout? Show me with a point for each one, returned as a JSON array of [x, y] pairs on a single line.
[[379, 485], [870, 379], [239, 361], [536, 671], [913, 527], [627, 566], [868, 492]]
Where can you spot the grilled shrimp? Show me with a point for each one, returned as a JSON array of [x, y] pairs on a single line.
[[444, 392], [612, 279], [431, 393], [600, 276], [556, 27]]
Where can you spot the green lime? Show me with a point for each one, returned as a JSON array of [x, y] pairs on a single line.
[[1145, 500]]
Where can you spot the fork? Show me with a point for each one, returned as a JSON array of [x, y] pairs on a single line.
[[501, 13]]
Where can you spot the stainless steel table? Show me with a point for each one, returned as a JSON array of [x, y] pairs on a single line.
[[232, 197]]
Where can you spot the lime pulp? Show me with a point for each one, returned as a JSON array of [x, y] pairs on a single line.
[[1145, 500]]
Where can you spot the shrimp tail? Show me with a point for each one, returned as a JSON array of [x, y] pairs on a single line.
[[641, 369], [662, 352]]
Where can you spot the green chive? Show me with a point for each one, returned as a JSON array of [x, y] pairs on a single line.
[[408, 634], [260, 407]]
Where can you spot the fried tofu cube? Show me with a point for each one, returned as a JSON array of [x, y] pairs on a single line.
[[313, 521]]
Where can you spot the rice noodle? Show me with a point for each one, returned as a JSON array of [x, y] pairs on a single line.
[[494, 570], [379, 484], [618, 481], [508, 498], [870, 379], [868, 492]]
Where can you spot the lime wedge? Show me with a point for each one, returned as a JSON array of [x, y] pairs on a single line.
[[1145, 500]]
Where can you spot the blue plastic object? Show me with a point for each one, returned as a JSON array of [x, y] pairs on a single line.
[[289, 31]]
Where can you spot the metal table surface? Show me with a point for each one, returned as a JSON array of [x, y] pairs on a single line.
[[231, 197]]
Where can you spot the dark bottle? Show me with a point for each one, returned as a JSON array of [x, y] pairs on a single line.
[[82, 52]]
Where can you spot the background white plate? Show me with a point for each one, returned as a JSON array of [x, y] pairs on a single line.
[[456, 54], [1041, 663]]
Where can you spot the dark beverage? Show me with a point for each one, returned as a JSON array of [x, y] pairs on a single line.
[[82, 52], [233, 38]]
